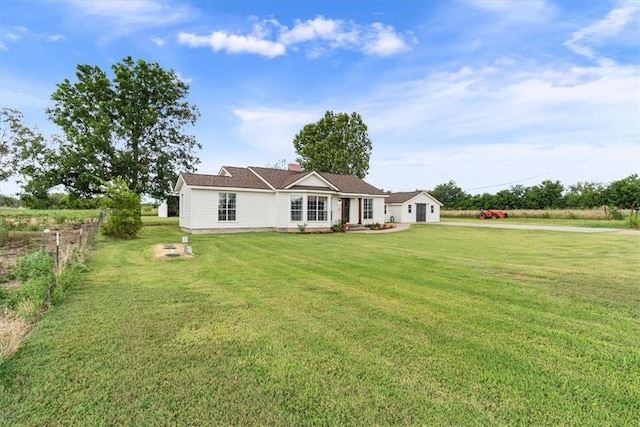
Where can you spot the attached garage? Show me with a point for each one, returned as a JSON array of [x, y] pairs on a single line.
[[412, 207]]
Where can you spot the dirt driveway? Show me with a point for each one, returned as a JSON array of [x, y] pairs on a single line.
[[490, 224]]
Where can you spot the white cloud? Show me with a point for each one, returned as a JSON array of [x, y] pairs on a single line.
[[269, 38], [584, 41], [120, 17], [319, 28], [232, 43], [56, 38], [158, 41], [384, 41], [272, 129], [11, 35]]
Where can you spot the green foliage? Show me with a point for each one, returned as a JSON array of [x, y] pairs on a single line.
[[32, 295], [33, 265], [9, 202], [337, 143], [149, 209], [35, 273], [57, 201], [633, 221], [613, 213], [123, 211], [25, 152], [449, 194], [625, 193], [337, 226], [69, 277], [302, 228], [130, 125]]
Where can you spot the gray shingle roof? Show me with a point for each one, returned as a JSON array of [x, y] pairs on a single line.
[[278, 179], [401, 197], [406, 196], [240, 178]]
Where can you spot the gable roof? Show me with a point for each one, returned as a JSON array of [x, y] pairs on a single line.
[[399, 198], [279, 179], [351, 184], [239, 178]]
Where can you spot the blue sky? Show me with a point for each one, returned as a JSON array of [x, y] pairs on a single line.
[[486, 93]]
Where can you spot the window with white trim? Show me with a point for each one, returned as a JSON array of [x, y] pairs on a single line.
[[226, 207], [296, 208], [367, 211], [317, 208]]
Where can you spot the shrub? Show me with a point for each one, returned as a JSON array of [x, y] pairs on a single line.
[[614, 214], [123, 211], [302, 228], [60, 219], [633, 221]]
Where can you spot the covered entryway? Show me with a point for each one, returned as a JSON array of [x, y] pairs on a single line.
[[421, 212], [345, 209]]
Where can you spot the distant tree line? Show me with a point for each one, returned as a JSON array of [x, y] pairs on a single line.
[[621, 194]]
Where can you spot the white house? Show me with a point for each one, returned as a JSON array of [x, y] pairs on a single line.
[[260, 199], [414, 206]]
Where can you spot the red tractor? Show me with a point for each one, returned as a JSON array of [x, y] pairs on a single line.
[[492, 214]]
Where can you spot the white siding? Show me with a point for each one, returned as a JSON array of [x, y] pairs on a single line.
[[185, 207], [395, 211], [401, 212], [312, 181], [253, 210], [378, 210]]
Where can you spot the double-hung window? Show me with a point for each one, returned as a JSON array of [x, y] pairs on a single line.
[[317, 208], [226, 207], [296, 208], [368, 209]]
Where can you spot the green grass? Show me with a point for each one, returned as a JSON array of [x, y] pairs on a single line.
[[430, 326], [38, 213], [589, 223]]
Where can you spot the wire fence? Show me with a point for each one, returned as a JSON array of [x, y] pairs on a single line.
[[61, 244]]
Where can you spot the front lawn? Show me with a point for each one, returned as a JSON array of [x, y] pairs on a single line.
[[431, 326]]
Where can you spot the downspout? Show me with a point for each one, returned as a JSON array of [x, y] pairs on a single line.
[[359, 210]]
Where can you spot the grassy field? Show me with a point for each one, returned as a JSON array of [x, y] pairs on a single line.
[[589, 223], [430, 326]]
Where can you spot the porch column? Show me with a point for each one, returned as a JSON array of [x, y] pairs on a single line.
[[359, 210]]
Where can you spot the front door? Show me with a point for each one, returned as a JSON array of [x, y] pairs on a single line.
[[345, 209], [421, 212]]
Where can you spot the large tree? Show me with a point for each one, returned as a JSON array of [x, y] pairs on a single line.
[[337, 143], [5, 143], [25, 153], [625, 193], [129, 126], [450, 195]]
